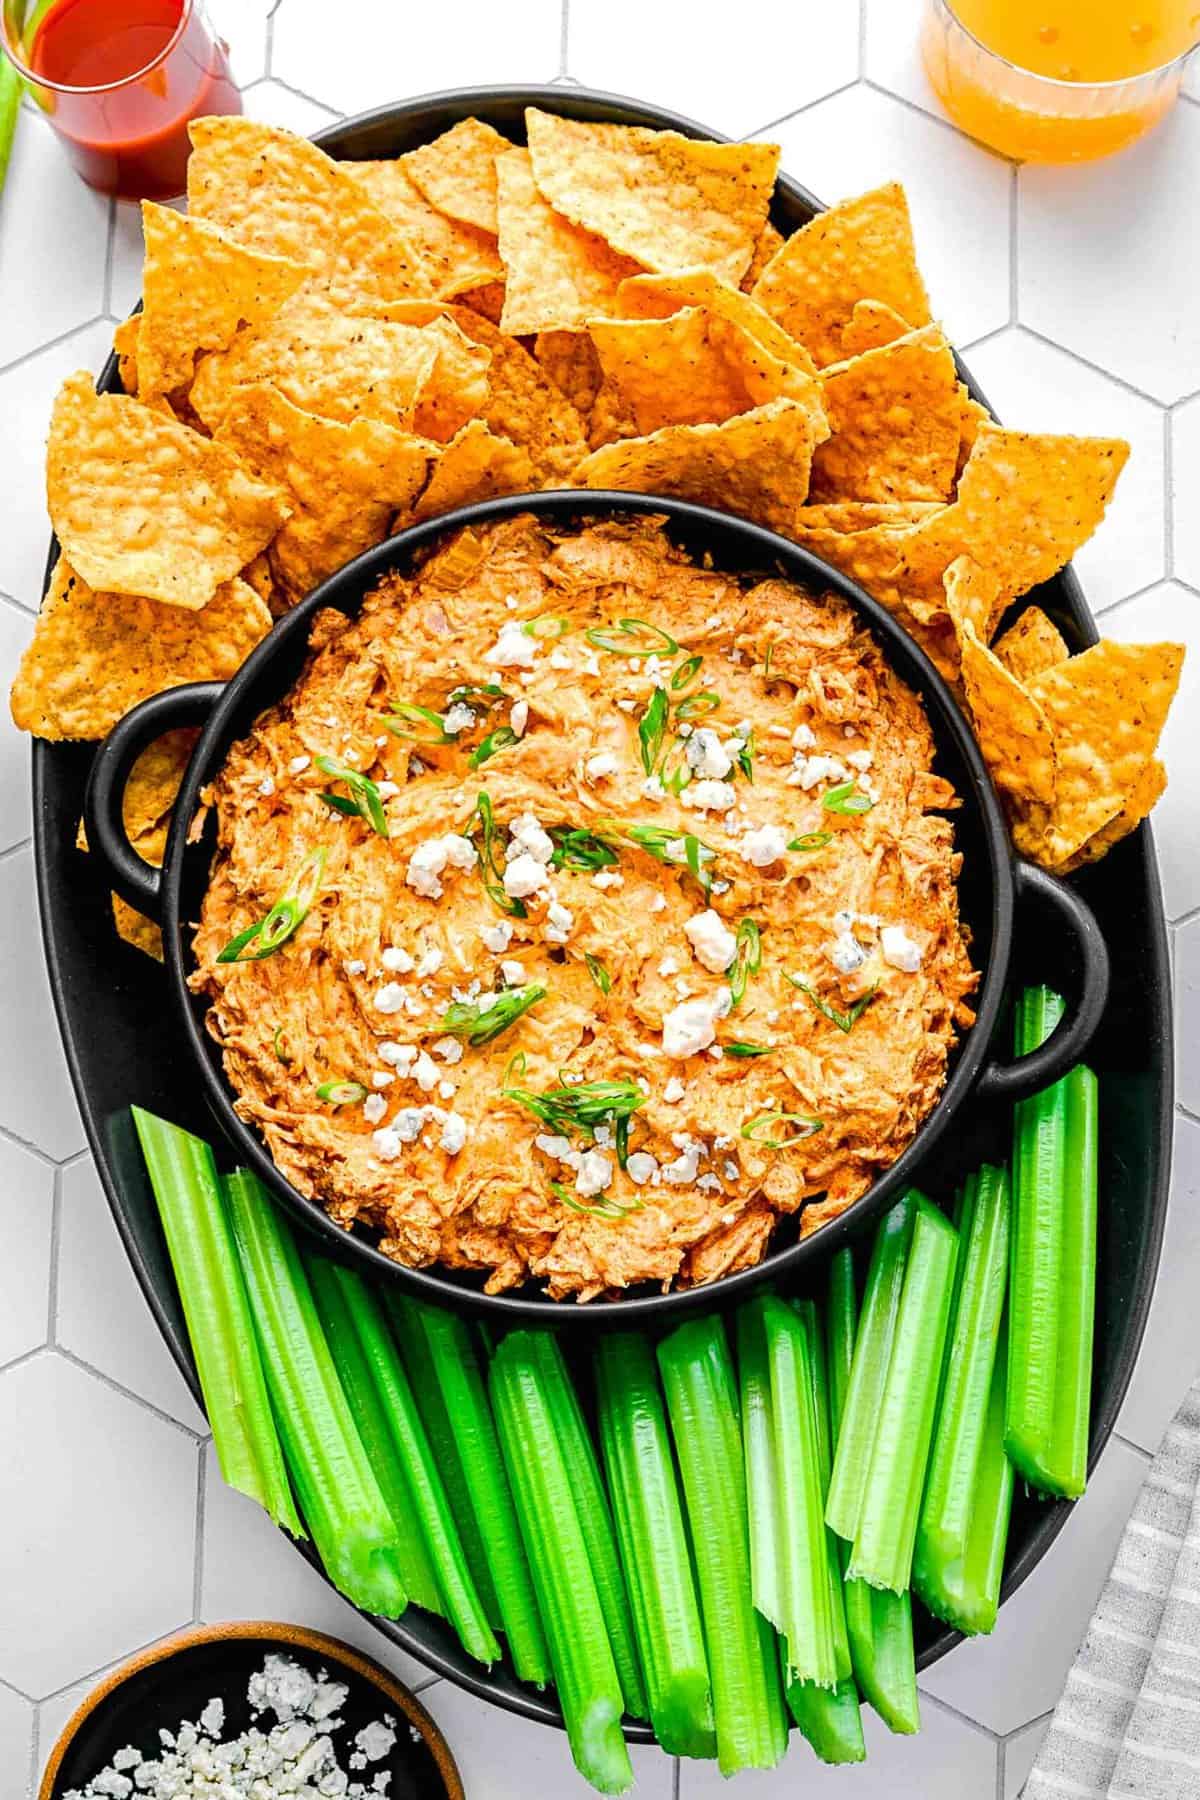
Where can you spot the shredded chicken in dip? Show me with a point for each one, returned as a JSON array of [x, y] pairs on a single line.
[[633, 918]]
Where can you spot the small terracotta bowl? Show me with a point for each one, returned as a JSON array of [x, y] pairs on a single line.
[[175, 1680]]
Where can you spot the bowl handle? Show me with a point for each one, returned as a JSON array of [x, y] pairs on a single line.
[[129, 874], [1071, 1036]]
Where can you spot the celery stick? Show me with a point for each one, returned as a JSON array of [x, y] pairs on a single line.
[[589, 1691], [1039, 1170], [702, 1405], [868, 1373], [887, 1526], [824, 1423], [456, 1370], [758, 1450], [653, 1542], [1067, 1452], [966, 1592], [878, 1624], [461, 1600], [187, 1191], [339, 1495], [807, 1621], [444, 1444], [375, 1430], [830, 1719], [949, 1498]]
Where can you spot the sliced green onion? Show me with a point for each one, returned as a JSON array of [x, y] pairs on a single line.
[[580, 849], [200, 1243], [685, 673], [745, 757], [887, 1525], [279, 1045], [342, 1093], [772, 1123], [631, 637], [585, 1674], [340, 1498], [489, 868], [698, 706], [375, 1428], [768, 659], [453, 1364], [747, 959], [653, 1544], [701, 1392], [501, 739], [598, 972], [482, 694], [420, 723], [845, 1021], [285, 917], [846, 798], [605, 1208], [478, 1023], [746, 1050], [584, 1107], [811, 840], [676, 849], [546, 625], [651, 728], [364, 793]]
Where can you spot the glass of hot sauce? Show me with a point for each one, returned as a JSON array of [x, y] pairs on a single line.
[[1057, 80], [120, 81]]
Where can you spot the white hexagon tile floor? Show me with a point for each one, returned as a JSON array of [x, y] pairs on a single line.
[[1077, 290]]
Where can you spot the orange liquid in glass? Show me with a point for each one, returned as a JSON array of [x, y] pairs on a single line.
[[1104, 52]]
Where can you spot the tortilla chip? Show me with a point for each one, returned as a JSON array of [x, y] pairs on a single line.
[[524, 405], [1013, 730], [851, 516], [974, 597], [198, 286], [696, 367], [475, 465], [95, 655], [871, 325], [974, 414], [669, 202], [344, 481], [769, 241], [1107, 708], [125, 344], [136, 929], [755, 464], [610, 418], [556, 275], [487, 301], [1034, 643], [659, 296], [1147, 791], [143, 505], [459, 256], [895, 420], [867, 549], [457, 172], [1025, 503], [859, 250], [281, 195], [570, 360]]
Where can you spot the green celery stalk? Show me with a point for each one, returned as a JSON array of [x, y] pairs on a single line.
[[187, 1191], [702, 1405], [878, 1624], [375, 1430], [339, 1495], [455, 1367], [824, 1423], [462, 1603], [868, 1372], [11, 87], [830, 1718], [585, 1674], [966, 1593], [887, 1526], [653, 1543], [758, 1452], [1066, 1457], [949, 1499], [595, 1518], [443, 1442]]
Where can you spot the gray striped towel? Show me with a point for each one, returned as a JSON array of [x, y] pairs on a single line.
[[1128, 1724]]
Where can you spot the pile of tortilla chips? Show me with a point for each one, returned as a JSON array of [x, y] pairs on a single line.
[[330, 351]]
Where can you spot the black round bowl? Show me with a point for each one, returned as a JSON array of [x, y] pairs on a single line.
[[122, 1043], [993, 881]]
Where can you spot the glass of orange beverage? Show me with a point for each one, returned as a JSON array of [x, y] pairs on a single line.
[[1057, 80]]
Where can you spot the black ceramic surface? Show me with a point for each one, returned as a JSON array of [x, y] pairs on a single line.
[[121, 1046]]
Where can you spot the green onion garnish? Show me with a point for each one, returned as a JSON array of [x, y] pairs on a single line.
[[585, 1106], [285, 917], [604, 1208], [756, 1129], [768, 658], [697, 706], [482, 695], [279, 1046], [745, 1050], [676, 849], [846, 798], [845, 1021], [747, 958], [745, 757], [342, 1093], [632, 637], [652, 728], [811, 840], [500, 739], [579, 849], [420, 723], [598, 972], [546, 625], [364, 794], [686, 672], [479, 1021], [489, 868]]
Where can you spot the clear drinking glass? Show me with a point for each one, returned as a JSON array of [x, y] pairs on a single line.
[[120, 80]]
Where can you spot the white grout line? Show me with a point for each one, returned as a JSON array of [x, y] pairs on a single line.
[[862, 39], [1168, 493], [1096, 369], [52, 343], [128, 1393], [798, 112], [956, 1712], [56, 1216], [564, 32], [198, 1563], [1014, 211], [6, 1131]]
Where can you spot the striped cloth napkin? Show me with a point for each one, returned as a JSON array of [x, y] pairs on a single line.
[[1128, 1724]]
